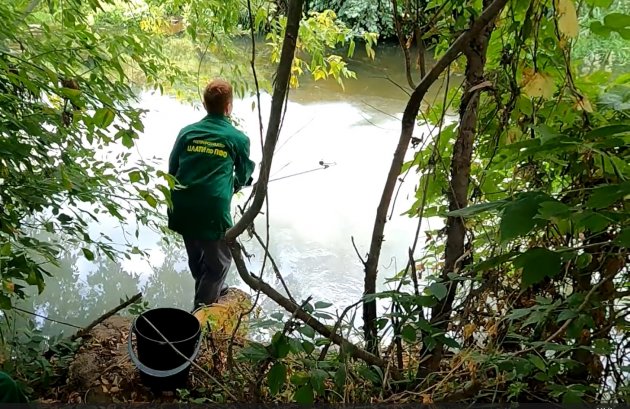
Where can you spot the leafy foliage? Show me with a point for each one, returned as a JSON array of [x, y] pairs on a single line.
[[65, 97], [548, 211]]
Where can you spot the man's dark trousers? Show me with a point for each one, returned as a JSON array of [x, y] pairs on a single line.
[[209, 262]]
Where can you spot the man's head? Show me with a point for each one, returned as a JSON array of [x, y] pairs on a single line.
[[217, 97]]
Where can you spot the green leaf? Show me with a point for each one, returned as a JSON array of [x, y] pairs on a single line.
[[307, 331], [602, 346], [572, 397], [553, 209], [103, 117], [89, 255], [149, 198], [617, 21], [322, 305], [600, 3], [538, 263], [494, 261], [599, 29], [5, 250], [604, 196], [623, 238], [304, 394], [255, 352], [519, 313], [5, 302], [608, 130], [277, 316], [295, 346], [368, 373], [318, 376], [340, 376], [583, 260], [134, 176], [538, 362], [300, 379], [450, 342], [546, 133], [566, 315], [476, 209], [408, 333], [438, 290], [280, 346], [536, 317], [594, 222], [519, 216], [64, 218], [308, 347], [276, 377]]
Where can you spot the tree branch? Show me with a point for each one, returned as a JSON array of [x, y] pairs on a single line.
[[259, 285], [280, 91]]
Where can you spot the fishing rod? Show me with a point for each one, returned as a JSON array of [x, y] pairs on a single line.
[[322, 166]]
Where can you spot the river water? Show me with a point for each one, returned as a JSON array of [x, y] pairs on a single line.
[[312, 217]]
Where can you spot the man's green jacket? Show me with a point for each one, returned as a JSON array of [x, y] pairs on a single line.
[[210, 160]]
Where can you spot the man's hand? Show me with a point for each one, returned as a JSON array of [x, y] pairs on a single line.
[[249, 183]]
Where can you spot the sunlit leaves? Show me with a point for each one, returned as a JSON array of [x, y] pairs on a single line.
[[319, 33], [567, 18], [103, 117], [537, 84]]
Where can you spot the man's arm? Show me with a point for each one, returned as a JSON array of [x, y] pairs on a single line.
[[173, 161], [243, 166]]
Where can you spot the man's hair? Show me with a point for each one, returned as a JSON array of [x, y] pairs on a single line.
[[217, 96]]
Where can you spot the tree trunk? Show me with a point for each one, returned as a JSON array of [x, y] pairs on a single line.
[[406, 132], [475, 53]]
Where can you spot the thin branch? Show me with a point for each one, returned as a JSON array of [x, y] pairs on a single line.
[[86, 330], [403, 46], [322, 355], [357, 250]]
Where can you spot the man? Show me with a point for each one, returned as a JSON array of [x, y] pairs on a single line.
[[210, 160]]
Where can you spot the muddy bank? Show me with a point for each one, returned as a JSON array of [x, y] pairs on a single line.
[[102, 371]]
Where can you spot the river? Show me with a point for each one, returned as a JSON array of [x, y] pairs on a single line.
[[312, 216]]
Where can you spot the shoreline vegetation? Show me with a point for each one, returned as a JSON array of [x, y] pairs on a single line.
[[522, 296]]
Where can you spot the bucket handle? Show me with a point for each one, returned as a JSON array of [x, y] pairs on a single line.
[[154, 372]]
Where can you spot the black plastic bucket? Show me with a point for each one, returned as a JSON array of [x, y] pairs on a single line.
[[161, 367]]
